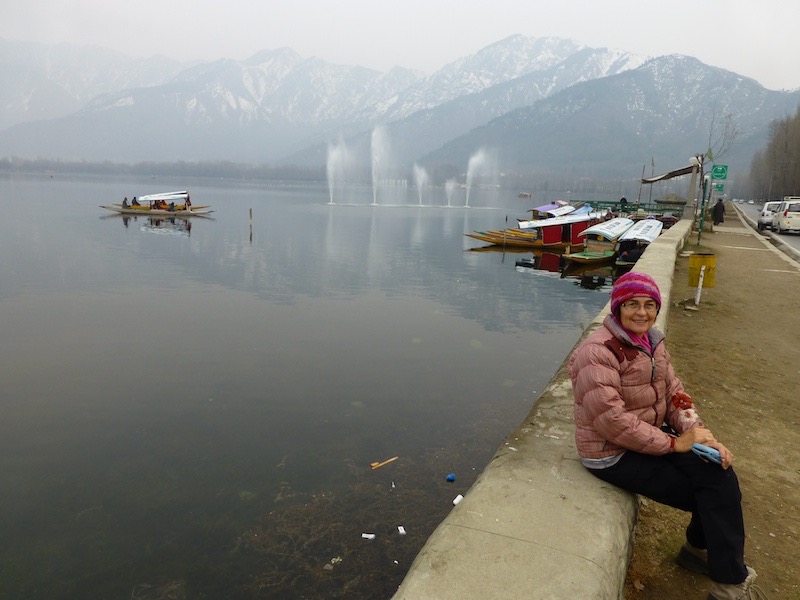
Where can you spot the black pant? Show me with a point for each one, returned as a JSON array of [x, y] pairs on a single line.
[[708, 491]]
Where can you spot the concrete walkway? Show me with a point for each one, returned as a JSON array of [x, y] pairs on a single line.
[[536, 524]]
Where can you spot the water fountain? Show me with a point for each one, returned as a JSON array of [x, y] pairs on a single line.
[[449, 188], [421, 179], [338, 159], [476, 165], [380, 160]]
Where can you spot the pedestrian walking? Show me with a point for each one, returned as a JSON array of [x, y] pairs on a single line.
[[719, 212]]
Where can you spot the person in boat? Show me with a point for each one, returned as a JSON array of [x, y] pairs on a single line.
[[623, 203], [171, 207], [188, 203], [135, 202], [632, 253], [635, 426], [125, 202]]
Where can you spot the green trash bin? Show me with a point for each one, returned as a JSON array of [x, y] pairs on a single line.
[[698, 261]]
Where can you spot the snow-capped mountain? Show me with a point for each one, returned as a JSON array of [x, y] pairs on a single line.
[[662, 111], [277, 106], [40, 81]]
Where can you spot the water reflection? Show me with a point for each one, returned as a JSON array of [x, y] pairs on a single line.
[[158, 225], [595, 276]]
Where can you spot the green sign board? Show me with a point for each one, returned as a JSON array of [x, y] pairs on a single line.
[[719, 172], [719, 187]]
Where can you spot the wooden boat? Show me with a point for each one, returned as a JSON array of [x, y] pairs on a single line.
[[632, 244], [600, 241], [194, 211], [144, 205], [554, 232]]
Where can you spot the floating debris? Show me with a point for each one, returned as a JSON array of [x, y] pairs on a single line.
[[378, 465]]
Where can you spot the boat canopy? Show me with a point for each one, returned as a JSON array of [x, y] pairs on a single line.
[[167, 196], [645, 230], [584, 213], [610, 230]]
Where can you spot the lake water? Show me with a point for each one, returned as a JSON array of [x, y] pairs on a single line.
[[191, 412]]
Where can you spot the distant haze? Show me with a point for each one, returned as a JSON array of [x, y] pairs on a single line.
[[755, 39]]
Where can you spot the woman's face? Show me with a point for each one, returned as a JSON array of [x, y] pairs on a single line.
[[638, 314]]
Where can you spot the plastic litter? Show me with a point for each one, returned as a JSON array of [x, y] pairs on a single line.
[[457, 499], [451, 477], [401, 530], [368, 536]]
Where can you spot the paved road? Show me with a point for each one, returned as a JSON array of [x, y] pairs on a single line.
[[752, 210]]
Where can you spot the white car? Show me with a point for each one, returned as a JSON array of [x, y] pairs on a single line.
[[787, 215], [766, 214]]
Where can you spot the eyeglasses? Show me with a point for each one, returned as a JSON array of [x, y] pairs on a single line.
[[649, 306]]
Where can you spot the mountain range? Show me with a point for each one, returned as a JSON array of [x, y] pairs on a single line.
[[533, 104]]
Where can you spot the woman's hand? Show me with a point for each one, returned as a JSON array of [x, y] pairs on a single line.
[[702, 435], [695, 435], [725, 454]]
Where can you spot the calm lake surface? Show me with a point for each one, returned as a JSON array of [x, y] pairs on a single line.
[[191, 412]]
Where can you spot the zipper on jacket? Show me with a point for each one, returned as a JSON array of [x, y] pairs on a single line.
[[653, 369]]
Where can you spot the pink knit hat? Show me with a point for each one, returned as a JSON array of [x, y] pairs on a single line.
[[633, 284]]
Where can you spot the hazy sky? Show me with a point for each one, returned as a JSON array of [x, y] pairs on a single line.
[[755, 38]]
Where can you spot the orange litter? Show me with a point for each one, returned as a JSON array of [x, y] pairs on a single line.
[[378, 465]]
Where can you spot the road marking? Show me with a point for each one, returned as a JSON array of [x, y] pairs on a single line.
[[746, 248], [780, 271]]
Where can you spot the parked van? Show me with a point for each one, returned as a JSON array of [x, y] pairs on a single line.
[[787, 215], [766, 214]]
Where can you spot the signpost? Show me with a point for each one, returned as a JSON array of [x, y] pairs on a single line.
[[719, 172]]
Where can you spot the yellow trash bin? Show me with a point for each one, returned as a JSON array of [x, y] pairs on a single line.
[[696, 262]]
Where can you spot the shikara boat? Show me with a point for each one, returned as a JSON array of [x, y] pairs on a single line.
[[632, 244], [600, 241], [554, 232], [164, 204]]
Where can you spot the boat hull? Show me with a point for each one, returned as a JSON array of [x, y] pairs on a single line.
[[146, 211], [588, 258], [514, 240]]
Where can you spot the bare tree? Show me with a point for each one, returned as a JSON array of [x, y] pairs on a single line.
[[722, 133], [775, 171]]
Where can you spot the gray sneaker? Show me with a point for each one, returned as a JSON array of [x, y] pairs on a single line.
[[740, 591]]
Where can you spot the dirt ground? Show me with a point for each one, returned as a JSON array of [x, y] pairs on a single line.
[[739, 358]]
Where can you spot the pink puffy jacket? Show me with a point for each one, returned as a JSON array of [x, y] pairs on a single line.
[[623, 395]]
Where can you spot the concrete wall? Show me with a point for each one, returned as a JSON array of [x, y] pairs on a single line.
[[536, 524]]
